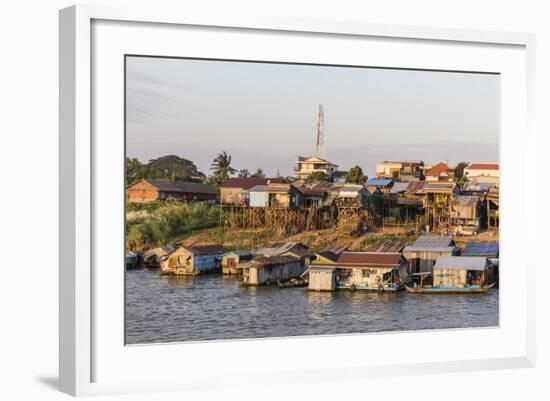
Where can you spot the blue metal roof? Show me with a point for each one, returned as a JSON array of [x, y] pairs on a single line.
[[481, 249], [379, 181]]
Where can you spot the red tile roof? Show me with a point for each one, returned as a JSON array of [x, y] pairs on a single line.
[[247, 183], [484, 166], [437, 169]]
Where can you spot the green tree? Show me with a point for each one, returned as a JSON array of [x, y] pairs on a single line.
[[355, 176], [244, 173], [133, 170], [316, 176], [459, 171], [258, 174], [174, 168], [221, 169]]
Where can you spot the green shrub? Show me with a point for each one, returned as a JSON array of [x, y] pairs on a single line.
[[167, 222]]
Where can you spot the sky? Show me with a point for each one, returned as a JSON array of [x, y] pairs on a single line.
[[265, 115]]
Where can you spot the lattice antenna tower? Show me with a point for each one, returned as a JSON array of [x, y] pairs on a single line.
[[320, 135]]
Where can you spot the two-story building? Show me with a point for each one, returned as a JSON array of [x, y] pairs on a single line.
[[305, 166]]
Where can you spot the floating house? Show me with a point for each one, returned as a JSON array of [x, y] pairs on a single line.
[[231, 261], [489, 250], [459, 272], [193, 260], [271, 269], [305, 166], [466, 214], [329, 255], [294, 249], [152, 258], [273, 195], [235, 191], [360, 271], [423, 253], [131, 260], [148, 190]]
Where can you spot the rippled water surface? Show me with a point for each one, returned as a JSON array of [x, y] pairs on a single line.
[[168, 308]]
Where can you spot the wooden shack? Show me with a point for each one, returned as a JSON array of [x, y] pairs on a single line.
[[235, 191], [459, 272], [466, 214], [148, 190], [231, 261], [382, 184], [281, 248], [270, 269], [273, 195], [437, 203], [152, 258], [193, 260], [423, 253], [322, 278]]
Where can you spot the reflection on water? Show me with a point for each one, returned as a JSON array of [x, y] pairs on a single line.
[[184, 308]]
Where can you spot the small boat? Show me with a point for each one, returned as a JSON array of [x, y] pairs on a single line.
[[470, 289], [292, 283]]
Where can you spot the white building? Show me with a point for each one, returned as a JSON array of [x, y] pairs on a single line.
[[480, 171]]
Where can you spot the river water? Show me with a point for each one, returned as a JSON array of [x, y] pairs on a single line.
[[213, 307]]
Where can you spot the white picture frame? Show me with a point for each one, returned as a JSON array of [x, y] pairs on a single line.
[[90, 355]]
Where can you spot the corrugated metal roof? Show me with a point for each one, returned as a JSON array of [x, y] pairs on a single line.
[[278, 248], [208, 249], [247, 183], [481, 249], [386, 246], [382, 182], [431, 243], [181, 186], [458, 262], [399, 187], [364, 258]]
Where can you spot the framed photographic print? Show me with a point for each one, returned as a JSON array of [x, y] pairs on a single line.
[[338, 195]]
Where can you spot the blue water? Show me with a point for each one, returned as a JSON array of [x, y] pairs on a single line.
[[212, 307]]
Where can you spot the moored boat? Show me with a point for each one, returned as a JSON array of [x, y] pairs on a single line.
[[469, 289]]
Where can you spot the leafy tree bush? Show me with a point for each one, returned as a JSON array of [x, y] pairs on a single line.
[[355, 176]]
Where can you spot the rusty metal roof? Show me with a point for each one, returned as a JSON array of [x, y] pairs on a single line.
[[370, 259], [181, 186], [247, 183], [207, 249], [386, 246]]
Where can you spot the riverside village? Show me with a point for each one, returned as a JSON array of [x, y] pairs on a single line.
[[414, 226]]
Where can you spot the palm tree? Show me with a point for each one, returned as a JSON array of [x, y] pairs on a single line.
[[259, 173], [221, 166], [244, 173]]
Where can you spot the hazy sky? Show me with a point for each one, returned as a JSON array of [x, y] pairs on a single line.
[[265, 115]]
